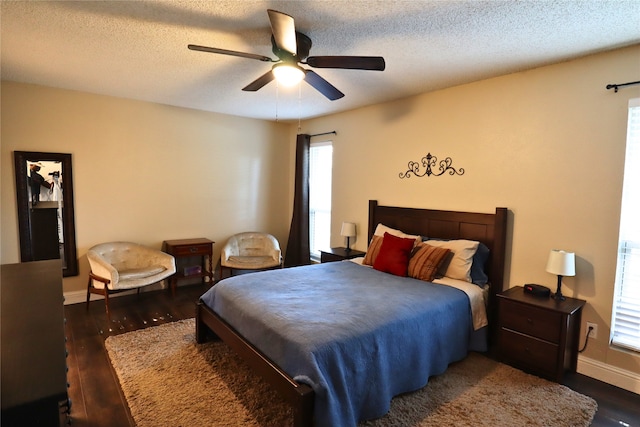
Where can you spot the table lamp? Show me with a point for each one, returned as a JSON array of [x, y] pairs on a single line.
[[348, 230], [563, 264]]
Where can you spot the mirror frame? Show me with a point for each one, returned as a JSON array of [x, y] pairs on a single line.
[[68, 218]]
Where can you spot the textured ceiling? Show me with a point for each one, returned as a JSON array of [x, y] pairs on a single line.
[[138, 49]]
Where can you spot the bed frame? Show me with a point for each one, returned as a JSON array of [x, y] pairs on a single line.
[[489, 229]]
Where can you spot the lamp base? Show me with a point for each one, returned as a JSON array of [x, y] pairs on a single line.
[[558, 295]]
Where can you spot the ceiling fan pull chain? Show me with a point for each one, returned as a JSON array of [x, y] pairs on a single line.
[[299, 106], [277, 98]]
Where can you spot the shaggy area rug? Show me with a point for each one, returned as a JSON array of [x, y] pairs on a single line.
[[169, 380]]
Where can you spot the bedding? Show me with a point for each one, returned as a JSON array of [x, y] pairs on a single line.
[[426, 261], [479, 260], [381, 229], [378, 236], [394, 255], [478, 299], [463, 251], [489, 229], [356, 335]]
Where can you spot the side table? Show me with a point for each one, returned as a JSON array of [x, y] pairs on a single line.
[[186, 248], [539, 334], [339, 254]]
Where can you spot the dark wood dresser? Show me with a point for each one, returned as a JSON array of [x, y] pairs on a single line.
[[539, 334], [34, 369]]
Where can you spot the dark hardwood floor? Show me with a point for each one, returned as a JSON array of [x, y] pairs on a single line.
[[97, 400]]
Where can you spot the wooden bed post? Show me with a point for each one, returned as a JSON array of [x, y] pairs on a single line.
[[373, 204], [202, 330], [498, 262], [499, 247]]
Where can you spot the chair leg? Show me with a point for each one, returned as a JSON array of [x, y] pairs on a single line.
[[88, 292], [106, 303], [104, 291]]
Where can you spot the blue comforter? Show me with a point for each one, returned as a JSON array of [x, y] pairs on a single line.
[[357, 336]]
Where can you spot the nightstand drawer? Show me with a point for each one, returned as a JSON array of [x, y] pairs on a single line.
[[530, 352], [192, 250], [530, 320]]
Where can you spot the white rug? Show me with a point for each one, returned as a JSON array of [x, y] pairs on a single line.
[[169, 380]]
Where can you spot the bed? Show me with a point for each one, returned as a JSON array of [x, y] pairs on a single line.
[[333, 375]]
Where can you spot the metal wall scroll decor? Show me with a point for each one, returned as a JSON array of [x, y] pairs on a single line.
[[428, 162]]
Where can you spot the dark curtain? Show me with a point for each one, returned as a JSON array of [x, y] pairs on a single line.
[[298, 244]]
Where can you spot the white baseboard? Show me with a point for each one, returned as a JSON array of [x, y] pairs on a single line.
[[609, 374]]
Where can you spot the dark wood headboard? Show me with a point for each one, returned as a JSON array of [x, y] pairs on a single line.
[[490, 229]]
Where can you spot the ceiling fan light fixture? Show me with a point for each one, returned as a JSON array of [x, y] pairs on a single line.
[[288, 74]]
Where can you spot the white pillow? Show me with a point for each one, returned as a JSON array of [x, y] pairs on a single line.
[[381, 229], [463, 252]]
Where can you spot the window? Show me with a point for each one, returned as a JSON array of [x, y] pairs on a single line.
[[625, 330], [320, 165]]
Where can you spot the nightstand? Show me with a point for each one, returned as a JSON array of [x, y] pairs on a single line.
[[183, 250], [339, 254], [539, 334]]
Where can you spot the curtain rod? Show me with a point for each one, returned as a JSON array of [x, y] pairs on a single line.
[[326, 133], [616, 86]]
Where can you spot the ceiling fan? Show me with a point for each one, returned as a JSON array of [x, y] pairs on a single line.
[[292, 48]]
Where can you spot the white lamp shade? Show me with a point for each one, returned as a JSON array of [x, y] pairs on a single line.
[[561, 263], [348, 229]]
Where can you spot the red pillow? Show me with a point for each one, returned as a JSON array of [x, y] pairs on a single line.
[[394, 255]]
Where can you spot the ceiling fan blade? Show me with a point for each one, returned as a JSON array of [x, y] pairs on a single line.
[[284, 31], [322, 86], [259, 82], [351, 62], [230, 52]]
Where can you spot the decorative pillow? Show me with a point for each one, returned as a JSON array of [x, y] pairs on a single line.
[[373, 250], [478, 274], [442, 269], [425, 261], [381, 229], [463, 252], [394, 255]]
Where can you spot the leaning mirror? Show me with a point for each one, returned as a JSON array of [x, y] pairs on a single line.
[[44, 192]]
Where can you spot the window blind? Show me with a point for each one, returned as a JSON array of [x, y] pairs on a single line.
[[626, 305]]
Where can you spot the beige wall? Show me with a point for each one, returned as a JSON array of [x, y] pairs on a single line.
[[146, 172], [547, 143]]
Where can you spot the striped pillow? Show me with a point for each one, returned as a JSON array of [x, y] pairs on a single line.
[[425, 261], [373, 250]]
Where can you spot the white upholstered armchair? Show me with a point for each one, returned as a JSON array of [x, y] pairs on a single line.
[[121, 266], [250, 251]]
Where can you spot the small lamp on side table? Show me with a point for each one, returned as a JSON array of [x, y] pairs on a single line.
[[563, 264], [348, 230]]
